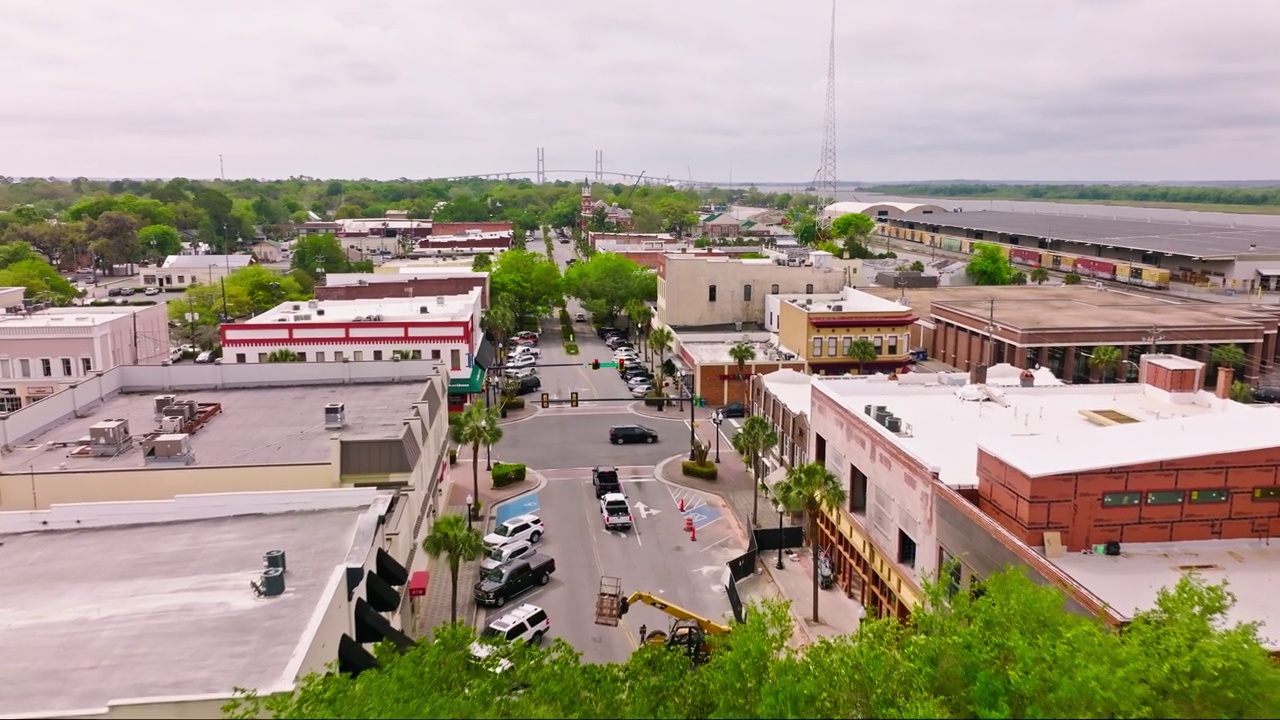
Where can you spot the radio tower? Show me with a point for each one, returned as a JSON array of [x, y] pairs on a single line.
[[826, 180]]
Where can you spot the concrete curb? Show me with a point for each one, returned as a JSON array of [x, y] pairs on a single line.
[[533, 413], [492, 514], [685, 481]]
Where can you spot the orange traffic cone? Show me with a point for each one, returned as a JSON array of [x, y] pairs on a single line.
[[688, 524], [693, 534], [681, 504]]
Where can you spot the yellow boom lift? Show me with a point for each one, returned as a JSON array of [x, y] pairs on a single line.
[[688, 630]]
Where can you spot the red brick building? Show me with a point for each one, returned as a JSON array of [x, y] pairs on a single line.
[[369, 286], [462, 228]]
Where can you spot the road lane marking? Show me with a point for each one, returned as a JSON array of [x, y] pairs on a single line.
[[726, 537]]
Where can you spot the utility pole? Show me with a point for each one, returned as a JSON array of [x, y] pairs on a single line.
[[991, 330], [1155, 337], [135, 336], [222, 170]]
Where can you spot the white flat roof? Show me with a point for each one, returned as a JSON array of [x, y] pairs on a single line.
[[1045, 424], [1130, 582], [851, 300], [191, 262], [85, 316], [162, 609], [439, 308], [717, 353], [791, 388], [1173, 362], [406, 273]]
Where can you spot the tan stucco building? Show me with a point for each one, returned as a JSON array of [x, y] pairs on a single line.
[[820, 328], [701, 291]]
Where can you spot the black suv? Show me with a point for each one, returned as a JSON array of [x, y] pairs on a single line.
[[732, 410], [605, 480], [622, 434], [528, 384]]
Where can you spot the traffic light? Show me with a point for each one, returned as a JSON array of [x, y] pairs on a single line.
[[573, 399], [595, 364], [546, 400], [622, 364]]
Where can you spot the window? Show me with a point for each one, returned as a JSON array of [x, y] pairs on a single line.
[[262, 357], [833, 346], [906, 549], [773, 289], [435, 354], [1266, 493], [319, 357], [848, 344], [66, 368], [1121, 499], [240, 358], [711, 293], [24, 367], [808, 289], [817, 347], [455, 358], [1205, 497], [857, 490], [302, 357], [337, 356], [417, 355], [46, 367], [949, 571], [182, 279], [358, 355], [878, 342], [86, 364], [6, 368], [893, 344], [9, 403], [1170, 497], [377, 354], [746, 293]]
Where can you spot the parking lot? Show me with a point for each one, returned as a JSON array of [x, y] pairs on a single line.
[[655, 556]]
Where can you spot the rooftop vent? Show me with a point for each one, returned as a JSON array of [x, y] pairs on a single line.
[[296, 306], [335, 416], [168, 449], [358, 318], [362, 283], [837, 308], [319, 311], [109, 438], [376, 318], [313, 304], [271, 584], [423, 310], [439, 299], [274, 559]]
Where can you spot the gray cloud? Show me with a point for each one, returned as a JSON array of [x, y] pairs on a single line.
[[1132, 89]]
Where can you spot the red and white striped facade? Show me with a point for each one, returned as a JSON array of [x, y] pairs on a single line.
[[443, 327]]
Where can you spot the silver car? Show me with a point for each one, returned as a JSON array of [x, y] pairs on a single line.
[[505, 553]]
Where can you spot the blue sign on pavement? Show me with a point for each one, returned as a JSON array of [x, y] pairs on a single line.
[[519, 506], [703, 516]]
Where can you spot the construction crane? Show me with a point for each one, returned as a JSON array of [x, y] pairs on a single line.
[[688, 631]]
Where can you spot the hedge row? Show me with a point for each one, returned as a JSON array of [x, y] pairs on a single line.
[[570, 348], [505, 474], [514, 403], [704, 471]]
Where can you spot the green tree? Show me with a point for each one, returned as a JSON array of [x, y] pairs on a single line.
[[640, 315], [528, 283], [607, 282], [743, 353], [316, 254], [1019, 278], [454, 538], [660, 339], [813, 489], [113, 237], [481, 262], [752, 441], [1039, 276], [1071, 279], [599, 221], [1241, 392], [476, 427], [159, 241], [1106, 360], [463, 209], [348, 211], [917, 266], [1228, 355], [499, 322], [42, 282], [989, 266], [283, 355], [853, 225], [263, 289], [861, 351]]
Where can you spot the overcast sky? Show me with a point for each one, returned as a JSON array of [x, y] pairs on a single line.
[[928, 89]]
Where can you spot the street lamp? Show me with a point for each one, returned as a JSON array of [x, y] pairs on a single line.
[[716, 419], [780, 509], [680, 389], [488, 452], [471, 508], [693, 434]]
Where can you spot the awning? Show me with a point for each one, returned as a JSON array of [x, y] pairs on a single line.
[[353, 659], [473, 383], [372, 627], [382, 596], [418, 583], [485, 354], [390, 569], [1270, 272]]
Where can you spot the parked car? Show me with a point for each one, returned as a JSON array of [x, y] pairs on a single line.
[[504, 582], [528, 384], [526, 335], [525, 624], [505, 554], [641, 390], [175, 354], [617, 341], [114, 292], [1267, 395], [521, 361], [127, 291], [639, 380], [521, 527], [151, 291], [631, 356], [521, 350], [615, 511], [205, 357], [605, 480], [579, 317], [732, 410], [606, 331], [519, 372], [622, 434]]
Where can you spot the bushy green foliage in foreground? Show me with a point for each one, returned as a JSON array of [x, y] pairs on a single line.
[[1011, 653]]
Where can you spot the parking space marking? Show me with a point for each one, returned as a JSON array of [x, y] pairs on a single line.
[[519, 506]]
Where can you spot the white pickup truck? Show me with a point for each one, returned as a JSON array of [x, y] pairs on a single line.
[[616, 511]]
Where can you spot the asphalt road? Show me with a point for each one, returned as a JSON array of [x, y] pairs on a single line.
[[656, 556], [565, 437]]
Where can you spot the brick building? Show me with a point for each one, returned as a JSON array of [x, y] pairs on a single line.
[[715, 375], [462, 228], [425, 282]]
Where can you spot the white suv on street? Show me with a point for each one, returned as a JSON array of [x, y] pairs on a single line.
[[521, 527], [525, 624]]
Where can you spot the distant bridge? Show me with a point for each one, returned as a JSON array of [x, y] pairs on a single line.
[[592, 175]]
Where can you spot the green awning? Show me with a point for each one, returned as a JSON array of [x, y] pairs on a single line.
[[470, 383]]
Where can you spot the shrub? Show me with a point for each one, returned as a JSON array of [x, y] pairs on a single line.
[[570, 348], [703, 470], [515, 403], [564, 317], [453, 456], [505, 474], [655, 401]]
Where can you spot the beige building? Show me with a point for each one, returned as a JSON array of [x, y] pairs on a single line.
[[183, 271], [701, 291], [821, 329], [44, 350]]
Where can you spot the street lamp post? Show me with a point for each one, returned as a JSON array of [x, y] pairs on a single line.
[[716, 419], [693, 434], [780, 509], [488, 454], [471, 507]]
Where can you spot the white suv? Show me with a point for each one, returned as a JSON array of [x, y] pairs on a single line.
[[521, 527], [505, 554], [527, 623]]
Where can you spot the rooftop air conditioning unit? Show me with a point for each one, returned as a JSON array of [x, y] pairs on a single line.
[[439, 299], [312, 304], [358, 318], [362, 283], [837, 308], [296, 306], [423, 310], [319, 311], [335, 416], [376, 318], [163, 401]]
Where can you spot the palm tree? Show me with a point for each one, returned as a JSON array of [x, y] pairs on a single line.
[[813, 489], [1072, 279], [498, 320], [478, 427], [641, 316], [1241, 392], [1106, 359], [1039, 276], [660, 339], [1229, 355], [861, 351], [742, 353], [283, 355], [452, 537], [754, 439]]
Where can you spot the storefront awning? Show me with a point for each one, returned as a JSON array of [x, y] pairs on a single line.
[[469, 383], [418, 583], [486, 353], [1269, 272]]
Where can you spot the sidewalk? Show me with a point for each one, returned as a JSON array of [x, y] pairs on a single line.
[[433, 609], [840, 614]]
